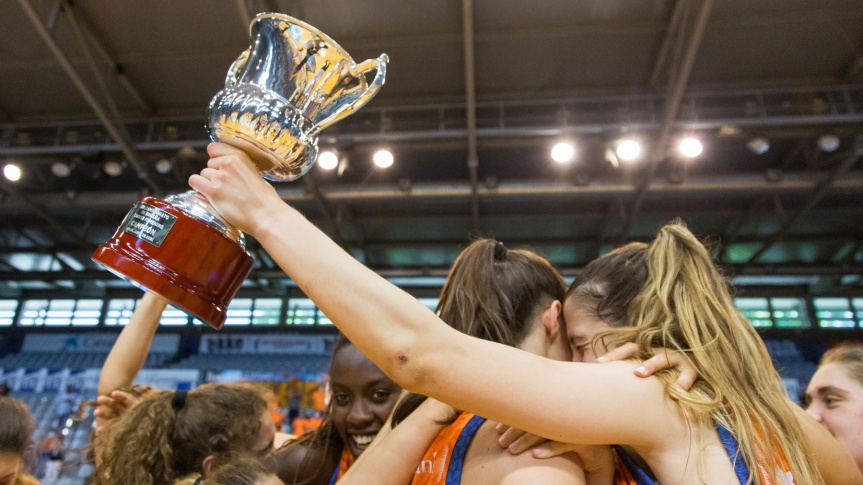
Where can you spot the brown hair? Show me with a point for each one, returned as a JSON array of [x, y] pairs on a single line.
[[669, 294], [849, 354], [162, 438], [238, 471], [494, 294], [16, 426]]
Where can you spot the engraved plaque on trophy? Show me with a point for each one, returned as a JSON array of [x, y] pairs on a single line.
[[291, 83]]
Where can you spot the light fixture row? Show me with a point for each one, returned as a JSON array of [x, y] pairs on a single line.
[[626, 149], [329, 159]]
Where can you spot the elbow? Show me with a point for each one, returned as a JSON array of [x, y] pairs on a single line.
[[412, 371]]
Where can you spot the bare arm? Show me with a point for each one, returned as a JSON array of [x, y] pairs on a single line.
[[130, 351], [570, 402], [394, 455], [836, 465]]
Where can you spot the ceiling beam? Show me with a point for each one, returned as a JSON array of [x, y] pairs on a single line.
[[470, 107], [816, 196], [116, 133], [676, 89], [44, 215], [670, 32], [104, 51]]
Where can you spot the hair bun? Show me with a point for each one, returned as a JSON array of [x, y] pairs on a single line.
[[499, 251]]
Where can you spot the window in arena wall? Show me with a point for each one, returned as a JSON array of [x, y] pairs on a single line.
[[87, 313], [120, 311], [267, 311], [174, 316], [7, 312], [302, 311], [834, 312], [858, 309], [790, 313], [60, 313], [756, 310]]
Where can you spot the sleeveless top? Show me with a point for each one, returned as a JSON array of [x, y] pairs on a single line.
[[627, 472], [444, 460], [346, 461]]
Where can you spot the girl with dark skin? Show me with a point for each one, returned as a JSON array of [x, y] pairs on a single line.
[[362, 399]]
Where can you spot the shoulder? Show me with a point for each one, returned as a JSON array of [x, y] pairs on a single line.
[[303, 463], [487, 462]]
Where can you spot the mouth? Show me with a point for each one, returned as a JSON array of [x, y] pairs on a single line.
[[363, 440]]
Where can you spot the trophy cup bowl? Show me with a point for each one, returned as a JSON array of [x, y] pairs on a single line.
[[291, 83]]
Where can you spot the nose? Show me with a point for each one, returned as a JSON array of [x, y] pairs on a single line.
[[360, 415], [814, 410]]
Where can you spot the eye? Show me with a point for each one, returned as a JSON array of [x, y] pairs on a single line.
[[831, 401], [381, 395], [341, 398]]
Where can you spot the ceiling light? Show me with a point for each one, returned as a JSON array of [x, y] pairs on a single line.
[[690, 147], [828, 143], [328, 160], [758, 145], [383, 158], [563, 152], [12, 172], [628, 150], [164, 166], [61, 169], [113, 168]]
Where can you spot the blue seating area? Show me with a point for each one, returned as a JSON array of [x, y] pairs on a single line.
[[252, 362], [71, 360]]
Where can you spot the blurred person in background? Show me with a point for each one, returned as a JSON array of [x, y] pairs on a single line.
[[16, 429], [834, 396]]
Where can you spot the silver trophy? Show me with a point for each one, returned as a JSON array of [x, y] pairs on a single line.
[[279, 94]]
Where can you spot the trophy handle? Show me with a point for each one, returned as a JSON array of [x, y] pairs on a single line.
[[379, 64], [233, 75]]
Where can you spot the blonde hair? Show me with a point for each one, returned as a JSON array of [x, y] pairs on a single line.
[[848, 354], [160, 439], [669, 294]]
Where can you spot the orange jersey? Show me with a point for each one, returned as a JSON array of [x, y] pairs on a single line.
[[443, 461], [345, 463]]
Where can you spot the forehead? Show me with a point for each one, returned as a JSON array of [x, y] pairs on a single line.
[[351, 368], [836, 375], [579, 321]]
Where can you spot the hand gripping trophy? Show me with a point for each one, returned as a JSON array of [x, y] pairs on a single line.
[[291, 83]]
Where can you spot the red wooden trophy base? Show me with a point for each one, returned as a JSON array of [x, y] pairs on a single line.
[[193, 265]]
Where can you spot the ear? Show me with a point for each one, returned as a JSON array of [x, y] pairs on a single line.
[[208, 465], [551, 318]]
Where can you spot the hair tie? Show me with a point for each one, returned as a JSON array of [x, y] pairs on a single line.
[[499, 251], [179, 400]]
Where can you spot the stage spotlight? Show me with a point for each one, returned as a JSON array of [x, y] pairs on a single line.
[[563, 152], [12, 172], [61, 169], [758, 145], [383, 158], [828, 143], [328, 160], [628, 150], [164, 166], [113, 168], [690, 147]]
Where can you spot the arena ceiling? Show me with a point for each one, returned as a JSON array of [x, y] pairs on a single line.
[[477, 92]]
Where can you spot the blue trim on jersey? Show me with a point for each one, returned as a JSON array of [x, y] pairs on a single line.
[[335, 475], [459, 452], [733, 450], [731, 447], [641, 478]]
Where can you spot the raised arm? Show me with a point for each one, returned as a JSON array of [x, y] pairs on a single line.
[[130, 350], [562, 401]]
